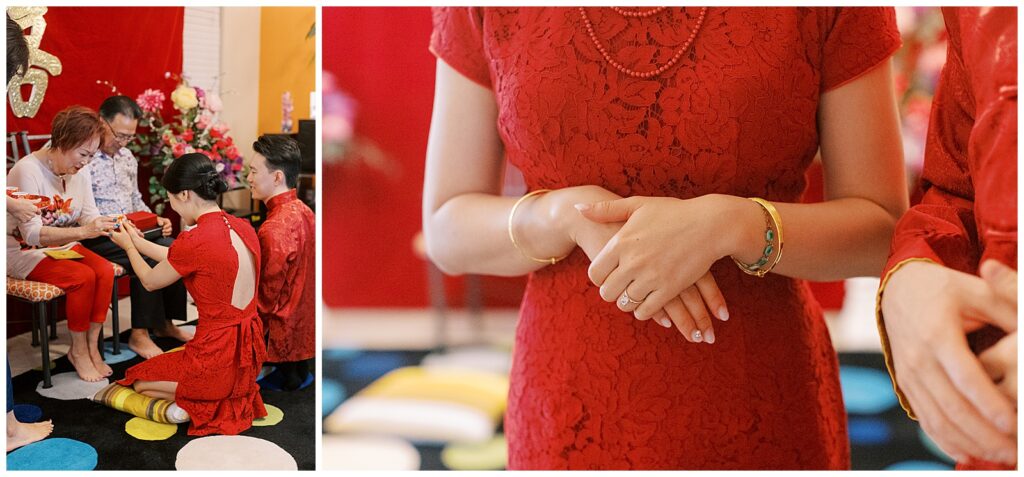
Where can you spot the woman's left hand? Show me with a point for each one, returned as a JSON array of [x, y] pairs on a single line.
[[122, 236], [665, 246]]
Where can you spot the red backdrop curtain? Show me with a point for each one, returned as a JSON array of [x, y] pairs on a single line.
[[130, 47]]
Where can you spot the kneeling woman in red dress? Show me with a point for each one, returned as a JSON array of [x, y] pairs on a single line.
[[214, 378]]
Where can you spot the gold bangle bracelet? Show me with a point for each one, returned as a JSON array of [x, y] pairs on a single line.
[[512, 236], [773, 222]]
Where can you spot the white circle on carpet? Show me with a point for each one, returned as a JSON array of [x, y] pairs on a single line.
[[233, 453], [369, 453], [68, 386]]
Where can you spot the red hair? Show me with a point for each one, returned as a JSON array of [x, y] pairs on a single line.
[[73, 127]]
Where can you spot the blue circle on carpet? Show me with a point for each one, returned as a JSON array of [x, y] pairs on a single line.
[[27, 413], [57, 453], [866, 390], [869, 431], [918, 465], [341, 354], [333, 395], [371, 366], [110, 358]]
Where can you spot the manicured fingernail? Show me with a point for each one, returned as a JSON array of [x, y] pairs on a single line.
[[665, 322], [723, 314], [709, 336], [583, 207], [696, 336]]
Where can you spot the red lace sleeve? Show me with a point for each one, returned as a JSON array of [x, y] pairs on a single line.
[[856, 40], [181, 255], [458, 41]]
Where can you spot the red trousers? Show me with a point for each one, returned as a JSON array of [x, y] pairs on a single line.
[[88, 283]]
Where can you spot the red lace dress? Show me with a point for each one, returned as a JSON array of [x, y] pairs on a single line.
[[592, 388], [216, 372]]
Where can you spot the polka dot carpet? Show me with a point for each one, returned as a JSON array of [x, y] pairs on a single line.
[[881, 435], [88, 435]]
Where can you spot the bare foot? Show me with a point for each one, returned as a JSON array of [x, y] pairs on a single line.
[[142, 345], [24, 434], [97, 361], [172, 331], [84, 366]]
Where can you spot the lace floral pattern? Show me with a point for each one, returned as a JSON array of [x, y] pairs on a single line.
[[591, 387]]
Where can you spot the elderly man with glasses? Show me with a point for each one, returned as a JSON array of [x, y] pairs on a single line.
[[115, 184]]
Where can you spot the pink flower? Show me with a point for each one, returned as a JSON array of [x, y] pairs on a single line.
[[231, 152], [212, 103], [203, 121], [178, 149], [151, 100]]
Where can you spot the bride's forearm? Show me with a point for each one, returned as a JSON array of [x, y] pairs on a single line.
[[469, 233], [833, 240], [152, 250]]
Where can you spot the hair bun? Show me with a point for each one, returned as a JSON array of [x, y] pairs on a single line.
[[214, 183]]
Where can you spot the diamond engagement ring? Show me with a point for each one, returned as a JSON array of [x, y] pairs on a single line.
[[625, 300]]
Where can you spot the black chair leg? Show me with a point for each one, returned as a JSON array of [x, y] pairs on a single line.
[[35, 326], [45, 344], [53, 322], [114, 318]]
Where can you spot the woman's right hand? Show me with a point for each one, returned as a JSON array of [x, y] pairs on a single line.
[[100, 226], [927, 310], [22, 209], [688, 311]]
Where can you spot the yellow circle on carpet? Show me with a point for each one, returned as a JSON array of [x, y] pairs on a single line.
[[146, 430], [490, 455], [274, 416]]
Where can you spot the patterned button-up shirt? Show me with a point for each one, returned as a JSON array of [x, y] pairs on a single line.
[[115, 183]]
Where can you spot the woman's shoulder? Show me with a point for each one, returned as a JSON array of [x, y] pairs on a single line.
[[29, 164]]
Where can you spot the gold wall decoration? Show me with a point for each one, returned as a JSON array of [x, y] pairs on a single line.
[[41, 65]]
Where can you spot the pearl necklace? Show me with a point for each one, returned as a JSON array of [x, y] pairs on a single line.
[[638, 74]]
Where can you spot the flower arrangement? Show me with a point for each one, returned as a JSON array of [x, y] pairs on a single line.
[[195, 128], [341, 145]]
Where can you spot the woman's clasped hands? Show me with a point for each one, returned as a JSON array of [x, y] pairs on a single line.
[[652, 256]]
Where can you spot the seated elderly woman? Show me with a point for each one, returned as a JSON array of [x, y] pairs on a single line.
[[68, 214]]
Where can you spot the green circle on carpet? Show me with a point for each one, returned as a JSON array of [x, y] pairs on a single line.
[[274, 416], [490, 455], [146, 430], [55, 453]]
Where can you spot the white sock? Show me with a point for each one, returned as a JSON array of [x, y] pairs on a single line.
[[176, 414]]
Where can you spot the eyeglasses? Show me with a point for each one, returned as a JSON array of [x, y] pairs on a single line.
[[121, 137]]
